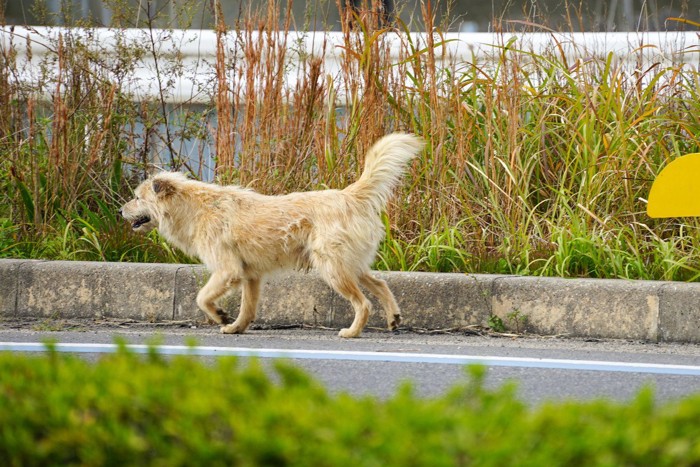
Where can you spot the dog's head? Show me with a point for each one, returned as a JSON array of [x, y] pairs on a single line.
[[151, 198]]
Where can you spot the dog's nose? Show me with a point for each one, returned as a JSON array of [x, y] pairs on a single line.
[[120, 212]]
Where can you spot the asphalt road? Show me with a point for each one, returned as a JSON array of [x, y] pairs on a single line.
[[533, 363]]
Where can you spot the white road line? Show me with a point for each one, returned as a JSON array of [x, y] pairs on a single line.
[[397, 357]]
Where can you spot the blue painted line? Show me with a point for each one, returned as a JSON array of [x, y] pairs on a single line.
[[395, 357]]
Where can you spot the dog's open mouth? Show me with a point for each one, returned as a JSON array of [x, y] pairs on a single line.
[[140, 221]]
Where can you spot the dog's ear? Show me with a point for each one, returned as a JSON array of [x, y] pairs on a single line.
[[163, 187]]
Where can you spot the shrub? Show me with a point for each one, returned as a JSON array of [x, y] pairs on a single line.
[[126, 409]]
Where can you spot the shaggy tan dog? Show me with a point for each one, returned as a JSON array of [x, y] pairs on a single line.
[[241, 235]]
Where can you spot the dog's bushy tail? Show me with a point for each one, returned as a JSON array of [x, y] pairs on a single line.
[[385, 163]]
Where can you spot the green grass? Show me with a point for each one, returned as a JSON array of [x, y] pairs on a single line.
[[535, 165]]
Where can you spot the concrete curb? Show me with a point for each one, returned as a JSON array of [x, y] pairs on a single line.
[[640, 310]]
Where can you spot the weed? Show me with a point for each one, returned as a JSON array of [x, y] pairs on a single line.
[[517, 320], [49, 325], [496, 324], [535, 164]]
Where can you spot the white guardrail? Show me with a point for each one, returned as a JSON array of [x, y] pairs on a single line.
[[36, 56]]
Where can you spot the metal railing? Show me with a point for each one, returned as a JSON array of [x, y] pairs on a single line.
[[187, 57]]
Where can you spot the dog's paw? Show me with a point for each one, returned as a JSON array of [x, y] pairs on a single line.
[[223, 316], [347, 333], [394, 324], [209, 320], [233, 329]]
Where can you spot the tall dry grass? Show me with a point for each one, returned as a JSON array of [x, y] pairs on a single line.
[[534, 165]]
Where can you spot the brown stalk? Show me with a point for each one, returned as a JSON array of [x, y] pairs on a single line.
[[225, 138]]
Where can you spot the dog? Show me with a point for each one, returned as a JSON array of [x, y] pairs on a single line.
[[241, 236]]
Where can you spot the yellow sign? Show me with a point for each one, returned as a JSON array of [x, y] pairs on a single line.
[[676, 190]]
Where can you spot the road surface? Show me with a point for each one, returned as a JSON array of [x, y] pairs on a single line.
[[544, 369]]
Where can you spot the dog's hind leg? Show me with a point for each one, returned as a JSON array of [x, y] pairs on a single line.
[[348, 287], [379, 289], [250, 293], [219, 283]]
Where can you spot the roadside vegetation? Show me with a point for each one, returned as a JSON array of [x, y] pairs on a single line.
[[60, 409], [535, 165]]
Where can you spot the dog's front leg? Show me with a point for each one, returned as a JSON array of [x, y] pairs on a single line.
[[215, 288], [250, 294]]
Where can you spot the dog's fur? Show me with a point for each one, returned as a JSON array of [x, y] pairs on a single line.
[[241, 235]]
